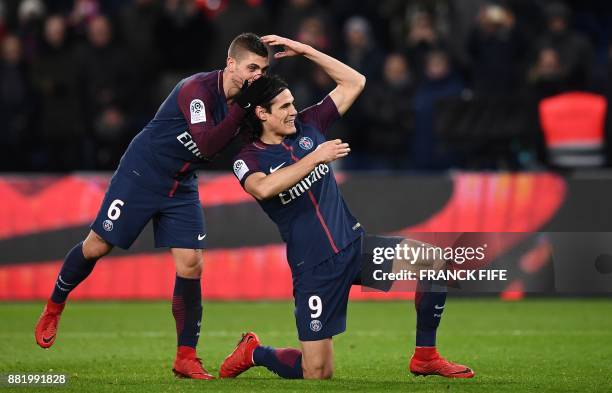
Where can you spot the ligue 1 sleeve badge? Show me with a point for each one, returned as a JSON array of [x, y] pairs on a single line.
[[306, 143]]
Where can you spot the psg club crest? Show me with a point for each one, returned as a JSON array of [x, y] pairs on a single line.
[[315, 324], [107, 225], [306, 143]]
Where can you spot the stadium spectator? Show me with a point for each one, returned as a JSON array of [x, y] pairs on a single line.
[[497, 51], [82, 13], [111, 136], [361, 50], [103, 76], [341, 11], [575, 51], [15, 104], [440, 82], [183, 36], [362, 53], [53, 76], [547, 76], [312, 31], [138, 22], [31, 14], [422, 38], [389, 114], [237, 16], [292, 13]]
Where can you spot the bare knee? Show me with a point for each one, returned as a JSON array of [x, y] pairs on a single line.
[[318, 371], [318, 359], [94, 247], [188, 262]]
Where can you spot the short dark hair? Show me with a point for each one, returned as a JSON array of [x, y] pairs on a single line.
[[247, 42], [251, 124]]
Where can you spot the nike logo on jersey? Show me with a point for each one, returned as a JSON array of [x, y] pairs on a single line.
[[201, 237], [272, 170], [438, 307]]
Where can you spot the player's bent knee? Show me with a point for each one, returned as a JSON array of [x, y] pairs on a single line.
[[318, 372], [94, 247], [317, 368]]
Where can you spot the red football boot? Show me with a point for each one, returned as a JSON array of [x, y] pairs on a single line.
[[241, 359], [187, 365], [427, 361], [46, 327]]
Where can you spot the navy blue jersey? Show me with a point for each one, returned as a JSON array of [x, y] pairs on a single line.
[[190, 126], [312, 216]]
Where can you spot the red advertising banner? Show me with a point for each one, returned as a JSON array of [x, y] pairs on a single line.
[[42, 217]]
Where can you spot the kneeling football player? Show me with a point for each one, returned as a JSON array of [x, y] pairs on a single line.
[[286, 168]]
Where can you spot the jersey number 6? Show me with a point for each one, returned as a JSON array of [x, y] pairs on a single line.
[[316, 305], [113, 211]]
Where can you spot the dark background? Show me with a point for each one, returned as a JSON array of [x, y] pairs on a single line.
[[78, 79]]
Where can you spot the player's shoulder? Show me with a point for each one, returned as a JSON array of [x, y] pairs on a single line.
[[250, 158], [205, 76], [318, 112], [251, 149], [315, 108], [202, 81]]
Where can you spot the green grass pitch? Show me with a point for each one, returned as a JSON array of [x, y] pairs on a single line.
[[542, 345]]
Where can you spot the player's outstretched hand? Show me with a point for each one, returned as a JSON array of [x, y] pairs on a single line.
[[290, 47], [332, 150], [252, 94]]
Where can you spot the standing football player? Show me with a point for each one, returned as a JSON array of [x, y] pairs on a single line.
[[156, 180], [286, 169]]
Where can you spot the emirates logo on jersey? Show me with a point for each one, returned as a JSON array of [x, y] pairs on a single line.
[[186, 140], [304, 185]]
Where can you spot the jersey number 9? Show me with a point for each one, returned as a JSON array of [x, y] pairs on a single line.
[[316, 305]]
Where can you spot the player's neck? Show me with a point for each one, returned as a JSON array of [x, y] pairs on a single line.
[[229, 89], [270, 138]]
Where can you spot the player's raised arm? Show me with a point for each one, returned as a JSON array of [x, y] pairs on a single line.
[[262, 186], [196, 104], [350, 83]]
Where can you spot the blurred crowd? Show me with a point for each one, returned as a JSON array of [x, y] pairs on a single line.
[[79, 78]]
